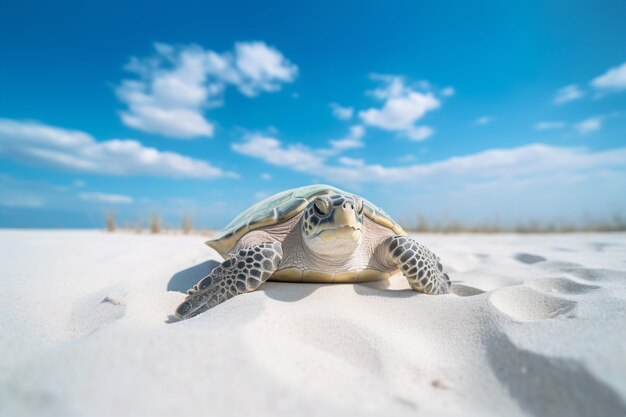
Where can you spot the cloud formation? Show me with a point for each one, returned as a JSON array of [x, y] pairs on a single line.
[[354, 139], [528, 160], [402, 107], [589, 125], [550, 125], [176, 85], [342, 113], [568, 93], [483, 120], [448, 92], [78, 151], [614, 79], [296, 157], [106, 198]]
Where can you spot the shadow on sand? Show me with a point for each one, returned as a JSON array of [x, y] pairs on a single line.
[[289, 292], [187, 278], [381, 289], [292, 292], [295, 291]]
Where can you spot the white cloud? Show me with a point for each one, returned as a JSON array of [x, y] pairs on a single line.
[[612, 80], [403, 107], [550, 125], [568, 93], [106, 198], [21, 201], [271, 150], [419, 133], [521, 162], [266, 177], [178, 83], [589, 125], [391, 86], [176, 123], [342, 113], [525, 160], [448, 92], [351, 162], [352, 140], [399, 113], [483, 120], [297, 157], [37, 143], [261, 68]]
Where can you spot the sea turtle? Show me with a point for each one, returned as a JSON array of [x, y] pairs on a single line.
[[315, 233]]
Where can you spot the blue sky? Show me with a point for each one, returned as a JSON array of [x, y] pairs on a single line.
[[476, 111]]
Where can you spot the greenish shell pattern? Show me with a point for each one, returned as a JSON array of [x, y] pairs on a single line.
[[283, 206]]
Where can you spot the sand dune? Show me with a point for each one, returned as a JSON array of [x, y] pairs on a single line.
[[535, 325]]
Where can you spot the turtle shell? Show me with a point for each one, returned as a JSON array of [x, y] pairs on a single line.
[[283, 206]]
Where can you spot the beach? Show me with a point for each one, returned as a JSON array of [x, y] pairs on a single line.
[[535, 325]]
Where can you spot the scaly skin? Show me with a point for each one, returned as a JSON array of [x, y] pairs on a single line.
[[420, 266], [242, 272], [330, 240]]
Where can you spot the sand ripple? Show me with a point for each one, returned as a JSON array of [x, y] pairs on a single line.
[[533, 326], [561, 286], [524, 303], [551, 386]]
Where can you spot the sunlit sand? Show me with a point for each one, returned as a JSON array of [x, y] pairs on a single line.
[[534, 326]]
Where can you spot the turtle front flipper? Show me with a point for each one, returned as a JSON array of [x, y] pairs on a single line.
[[420, 266], [242, 272]]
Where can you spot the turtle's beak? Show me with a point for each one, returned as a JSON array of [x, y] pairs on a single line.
[[346, 222], [345, 216], [348, 232]]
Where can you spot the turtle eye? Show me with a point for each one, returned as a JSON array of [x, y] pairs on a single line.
[[317, 210], [358, 205], [321, 206]]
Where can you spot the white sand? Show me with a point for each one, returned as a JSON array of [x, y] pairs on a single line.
[[536, 326]]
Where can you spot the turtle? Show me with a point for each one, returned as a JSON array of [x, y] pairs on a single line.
[[316, 233]]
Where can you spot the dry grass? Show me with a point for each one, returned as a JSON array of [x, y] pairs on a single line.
[[155, 224], [187, 224], [422, 224], [615, 223], [110, 221]]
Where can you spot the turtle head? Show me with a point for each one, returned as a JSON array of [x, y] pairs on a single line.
[[333, 224]]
